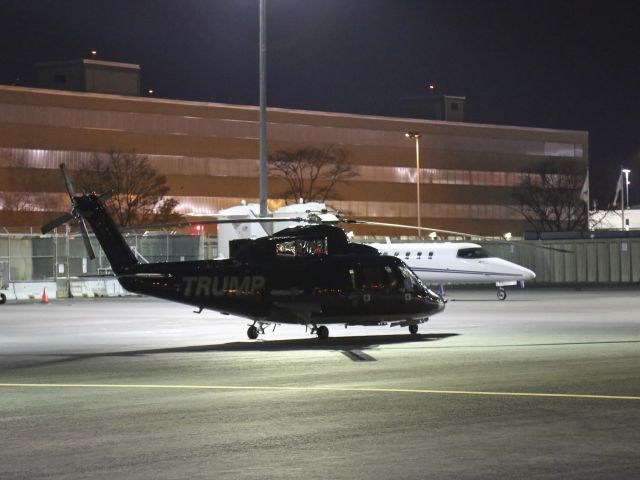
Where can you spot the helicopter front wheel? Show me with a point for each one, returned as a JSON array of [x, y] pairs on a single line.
[[323, 332], [252, 332]]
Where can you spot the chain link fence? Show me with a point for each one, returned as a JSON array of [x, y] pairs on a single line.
[[62, 261], [29, 257]]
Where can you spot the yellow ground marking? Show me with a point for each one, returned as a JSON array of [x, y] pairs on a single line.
[[314, 389]]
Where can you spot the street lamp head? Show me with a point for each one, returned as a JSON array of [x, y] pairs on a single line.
[[626, 170], [412, 135]]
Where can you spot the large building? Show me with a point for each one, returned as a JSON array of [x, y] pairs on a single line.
[[209, 154]]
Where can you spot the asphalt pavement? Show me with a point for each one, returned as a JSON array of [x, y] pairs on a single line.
[[543, 385]]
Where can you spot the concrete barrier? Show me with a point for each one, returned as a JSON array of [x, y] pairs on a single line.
[[80, 287]]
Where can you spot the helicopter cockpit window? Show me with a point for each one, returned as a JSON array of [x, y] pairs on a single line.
[[409, 280], [379, 279], [372, 278], [474, 252], [302, 247]]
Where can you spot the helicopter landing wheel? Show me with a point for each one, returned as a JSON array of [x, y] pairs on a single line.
[[502, 294], [413, 329], [3, 298], [323, 332], [252, 332]]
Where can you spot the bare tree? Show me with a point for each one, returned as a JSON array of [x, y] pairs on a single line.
[[311, 173], [549, 197], [138, 189], [18, 201]]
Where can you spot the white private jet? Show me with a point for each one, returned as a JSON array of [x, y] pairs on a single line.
[[433, 262], [457, 263]]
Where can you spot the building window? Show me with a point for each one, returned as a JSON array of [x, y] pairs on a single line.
[[60, 78]]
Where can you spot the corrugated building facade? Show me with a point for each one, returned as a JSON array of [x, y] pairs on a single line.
[[209, 154]]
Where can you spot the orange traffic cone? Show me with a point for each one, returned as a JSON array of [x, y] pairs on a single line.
[[45, 298]]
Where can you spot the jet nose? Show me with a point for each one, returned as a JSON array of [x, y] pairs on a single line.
[[528, 274]]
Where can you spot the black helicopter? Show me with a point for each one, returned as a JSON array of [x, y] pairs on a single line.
[[308, 275]]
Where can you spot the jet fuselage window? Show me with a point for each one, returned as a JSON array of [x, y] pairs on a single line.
[[474, 252]]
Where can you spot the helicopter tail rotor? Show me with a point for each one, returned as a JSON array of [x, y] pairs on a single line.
[[75, 213]]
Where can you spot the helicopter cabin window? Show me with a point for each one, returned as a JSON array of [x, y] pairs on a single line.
[[302, 247], [352, 278], [474, 252], [286, 248]]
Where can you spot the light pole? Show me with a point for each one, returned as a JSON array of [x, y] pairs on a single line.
[[626, 172], [263, 108], [416, 136], [625, 194]]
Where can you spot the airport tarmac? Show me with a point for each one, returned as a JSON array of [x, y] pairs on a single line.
[[543, 385]]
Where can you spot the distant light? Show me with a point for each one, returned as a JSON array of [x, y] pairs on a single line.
[[507, 236], [94, 53], [433, 235], [151, 91], [432, 87], [412, 135], [198, 228]]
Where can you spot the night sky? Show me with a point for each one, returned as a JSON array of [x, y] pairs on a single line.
[[545, 63]]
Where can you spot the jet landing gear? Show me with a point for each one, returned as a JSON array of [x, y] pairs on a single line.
[[413, 329], [321, 331], [501, 293]]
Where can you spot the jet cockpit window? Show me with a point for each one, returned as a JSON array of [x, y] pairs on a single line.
[[474, 252], [302, 247]]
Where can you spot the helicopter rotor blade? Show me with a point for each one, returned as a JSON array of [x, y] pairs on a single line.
[[57, 222], [460, 234], [213, 222], [103, 197], [85, 238], [410, 227], [67, 182]]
